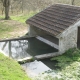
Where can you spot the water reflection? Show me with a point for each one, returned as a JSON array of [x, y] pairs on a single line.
[[24, 48], [15, 49]]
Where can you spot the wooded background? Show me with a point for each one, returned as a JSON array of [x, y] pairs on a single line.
[[21, 6]]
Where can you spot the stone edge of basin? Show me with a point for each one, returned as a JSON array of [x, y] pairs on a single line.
[[38, 57]]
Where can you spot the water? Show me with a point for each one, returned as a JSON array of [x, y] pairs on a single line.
[[24, 48]]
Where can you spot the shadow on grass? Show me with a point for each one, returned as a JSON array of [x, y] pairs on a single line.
[[5, 19], [2, 19]]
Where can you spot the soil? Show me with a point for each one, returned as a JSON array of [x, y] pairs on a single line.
[[20, 29]]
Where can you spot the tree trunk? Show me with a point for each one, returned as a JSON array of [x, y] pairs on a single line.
[[2, 10], [7, 13], [72, 2], [22, 6], [6, 4]]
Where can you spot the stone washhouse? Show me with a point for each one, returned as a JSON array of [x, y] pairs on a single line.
[[59, 24]]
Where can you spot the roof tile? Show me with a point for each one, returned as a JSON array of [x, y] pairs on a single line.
[[55, 19]]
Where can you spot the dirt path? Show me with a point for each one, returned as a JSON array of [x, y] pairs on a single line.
[[17, 29]]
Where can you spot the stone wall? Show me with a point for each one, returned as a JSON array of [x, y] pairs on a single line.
[[34, 31], [68, 41]]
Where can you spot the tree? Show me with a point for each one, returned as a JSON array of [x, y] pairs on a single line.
[[73, 2], [6, 4]]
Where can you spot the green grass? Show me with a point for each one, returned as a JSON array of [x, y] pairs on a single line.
[[11, 70], [23, 18], [1, 17], [5, 30], [69, 64], [12, 29]]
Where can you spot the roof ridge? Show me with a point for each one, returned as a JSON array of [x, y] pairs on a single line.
[[67, 5]]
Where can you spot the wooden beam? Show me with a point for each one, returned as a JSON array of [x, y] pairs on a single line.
[[14, 39], [48, 42]]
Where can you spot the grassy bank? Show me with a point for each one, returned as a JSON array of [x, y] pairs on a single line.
[[69, 64], [11, 70]]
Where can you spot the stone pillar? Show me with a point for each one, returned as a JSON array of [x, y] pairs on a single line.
[[68, 40]]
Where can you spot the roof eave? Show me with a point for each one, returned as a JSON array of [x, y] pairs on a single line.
[[74, 25]]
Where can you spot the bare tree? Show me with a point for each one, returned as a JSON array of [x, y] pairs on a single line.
[[6, 4]]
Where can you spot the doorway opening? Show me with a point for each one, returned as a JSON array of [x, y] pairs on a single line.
[[78, 38]]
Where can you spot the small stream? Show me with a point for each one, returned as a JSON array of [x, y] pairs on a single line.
[[20, 49]]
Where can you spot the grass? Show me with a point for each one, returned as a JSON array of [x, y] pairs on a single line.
[[69, 64], [1, 17], [23, 18], [12, 29], [11, 70], [15, 27], [5, 31]]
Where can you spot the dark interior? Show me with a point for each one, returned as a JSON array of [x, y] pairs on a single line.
[[78, 38], [52, 39]]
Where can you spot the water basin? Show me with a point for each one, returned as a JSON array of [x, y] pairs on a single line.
[[25, 48]]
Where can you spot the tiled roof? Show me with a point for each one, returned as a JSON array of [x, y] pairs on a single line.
[[55, 19]]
